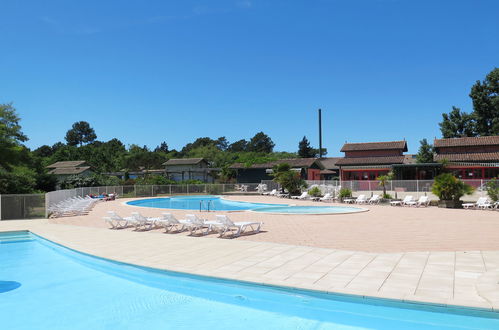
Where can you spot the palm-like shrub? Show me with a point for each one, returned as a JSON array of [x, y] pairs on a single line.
[[345, 192], [315, 192], [449, 188]]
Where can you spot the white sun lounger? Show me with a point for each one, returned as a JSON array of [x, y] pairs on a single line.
[[374, 200], [406, 200], [422, 201], [271, 193], [169, 222], [115, 224], [481, 203], [224, 225], [144, 222], [327, 197], [362, 199], [119, 222], [304, 195]]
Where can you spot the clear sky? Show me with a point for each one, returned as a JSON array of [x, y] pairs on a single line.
[[148, 71]]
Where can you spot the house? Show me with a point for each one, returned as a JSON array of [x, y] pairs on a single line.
[[62, 170], [469, 157], [367, 161], [190, 169], [331, 171], [309, 169]]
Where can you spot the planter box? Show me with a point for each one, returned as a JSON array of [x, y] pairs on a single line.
[[451, 204]]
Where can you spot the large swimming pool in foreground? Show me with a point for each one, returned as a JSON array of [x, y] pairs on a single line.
[[47, 286], [217, 203]]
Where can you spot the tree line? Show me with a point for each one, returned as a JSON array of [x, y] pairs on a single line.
[[24, 171]]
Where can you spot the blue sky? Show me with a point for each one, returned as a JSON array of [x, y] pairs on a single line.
[[148, 71]]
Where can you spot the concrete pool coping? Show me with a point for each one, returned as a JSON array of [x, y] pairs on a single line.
[[358, 209], [361, 274]]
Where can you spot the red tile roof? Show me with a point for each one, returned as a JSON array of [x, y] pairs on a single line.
[[375, 146], [371, 160], [467, 141], [479, 156]]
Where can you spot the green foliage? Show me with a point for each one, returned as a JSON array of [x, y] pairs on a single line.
[[387, 196], [425, 153], [447, 187], [261, 142], [80, 133], [163, 147], [484, 119], [493, 189], [18, 180], [238, 146], [214, 189], [75, 181], [383, 180], [305, 150], [11, 137], [485, 97], [288, 179], [457, 124], [153, 180], [140, 158], [315, 192], [344, 193]]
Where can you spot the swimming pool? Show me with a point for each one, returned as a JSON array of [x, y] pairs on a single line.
[[216, 203], [46, 286]]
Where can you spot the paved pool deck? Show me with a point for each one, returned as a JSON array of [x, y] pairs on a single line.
[[449, 278]]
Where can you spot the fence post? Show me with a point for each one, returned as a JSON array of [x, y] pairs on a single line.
[[135, 190], [187, 188], [152, 190], [0, 207]]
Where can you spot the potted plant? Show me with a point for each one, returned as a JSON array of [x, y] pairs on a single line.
[[344, 193], [383, 181], [449, 190]]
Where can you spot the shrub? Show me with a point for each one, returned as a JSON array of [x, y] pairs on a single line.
[[315, 192], [387, 196], [449, 188], [345, 192], [288, 179], [493, 189]]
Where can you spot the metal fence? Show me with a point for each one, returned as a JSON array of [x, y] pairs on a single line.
[[55, 197], [401, 188], [26, 206]]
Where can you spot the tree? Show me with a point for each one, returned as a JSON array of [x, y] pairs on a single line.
[[457, 124], [11, 136], [485, 97], [261, 142], [238, 146], [382, 181], [80, 133], [449, 188], [222, 143], [425, 153], [141, 158], [305, 150], [163, 147], [288, 179]]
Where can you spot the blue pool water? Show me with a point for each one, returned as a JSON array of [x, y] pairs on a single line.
[[46, 286], [216, 203]]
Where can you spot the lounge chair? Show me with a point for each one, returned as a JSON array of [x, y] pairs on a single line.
[[115, 224], [120, 222], [362, 199], [224, 225], [422, 201], [482, 202], [327, 197], [145, 222], [374, 200], [272, 193], [169, 222], [403, 202], [304, 195], [195, 224]]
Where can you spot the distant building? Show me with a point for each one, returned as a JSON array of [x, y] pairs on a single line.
[[309, 169], [62, 170], [190, 169], [470, 157], [331, 171], [367, 161]]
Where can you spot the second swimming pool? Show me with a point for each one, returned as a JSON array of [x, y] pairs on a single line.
[[217, 203]]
